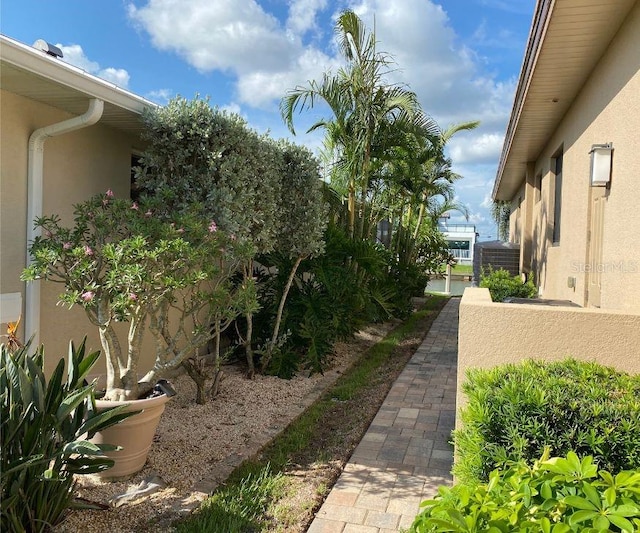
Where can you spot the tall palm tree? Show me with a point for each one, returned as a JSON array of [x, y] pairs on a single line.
[[362, 103]]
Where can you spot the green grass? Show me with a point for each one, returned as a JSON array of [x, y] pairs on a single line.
[[249, 498], [463, 270]]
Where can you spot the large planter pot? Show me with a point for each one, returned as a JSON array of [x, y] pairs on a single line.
[[134, 434]]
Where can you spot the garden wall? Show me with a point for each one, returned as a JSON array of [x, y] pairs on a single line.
[[492, 333]]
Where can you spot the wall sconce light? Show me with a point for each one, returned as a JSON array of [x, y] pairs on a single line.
[[601, 156]]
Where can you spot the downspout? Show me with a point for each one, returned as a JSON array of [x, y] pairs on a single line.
[[35, 171]]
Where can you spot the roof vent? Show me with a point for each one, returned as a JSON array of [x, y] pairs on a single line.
[[50, 49]]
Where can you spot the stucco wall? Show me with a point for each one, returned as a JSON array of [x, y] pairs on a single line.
[[76, 166], [491, 334], [606, 110]]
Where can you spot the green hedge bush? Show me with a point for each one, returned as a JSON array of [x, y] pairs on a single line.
[[515, 411], [559, 495], [502, 285]]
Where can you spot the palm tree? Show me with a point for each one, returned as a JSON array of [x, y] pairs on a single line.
[[363, 105]]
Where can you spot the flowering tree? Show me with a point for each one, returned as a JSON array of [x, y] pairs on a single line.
[[123, 263]]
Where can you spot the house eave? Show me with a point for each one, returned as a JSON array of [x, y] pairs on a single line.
[[566, 41], [33, 74]]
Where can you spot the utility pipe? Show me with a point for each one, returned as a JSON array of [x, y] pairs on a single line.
[[35, 171]]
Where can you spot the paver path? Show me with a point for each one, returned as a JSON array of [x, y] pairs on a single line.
[[405, 454]]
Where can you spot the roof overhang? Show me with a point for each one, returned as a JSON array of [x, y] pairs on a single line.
[[33, 74], [566, 40]]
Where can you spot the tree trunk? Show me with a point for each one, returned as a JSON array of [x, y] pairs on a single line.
[[276, 328], [196, 372], [352, 208], [420, 216]]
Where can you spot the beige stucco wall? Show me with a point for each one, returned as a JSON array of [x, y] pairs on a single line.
[[76, 166], [491, 334], [606, 110]]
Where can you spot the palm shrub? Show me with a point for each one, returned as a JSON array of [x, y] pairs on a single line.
[[336, 293], [503, 285], [516, 410], [44, 430], [559, 495]]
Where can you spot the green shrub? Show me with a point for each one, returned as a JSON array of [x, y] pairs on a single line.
[[553, 496], [43, 431], [515, 411], [502, 285]]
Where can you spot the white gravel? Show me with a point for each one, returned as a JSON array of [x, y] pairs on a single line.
[[197, 446]]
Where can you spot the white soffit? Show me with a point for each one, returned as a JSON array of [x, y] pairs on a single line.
[[33, 74], [559, 60]]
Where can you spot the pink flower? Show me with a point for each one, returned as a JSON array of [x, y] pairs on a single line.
[[47, 233], [105, 201], [148, 213], [109, 193], [134, 206], [87, 296], [232, 236], [212, 227], [88, 250], [67, 246], [133, 296], [180, 230]]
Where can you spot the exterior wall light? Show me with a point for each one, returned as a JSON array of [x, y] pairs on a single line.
[[601, 156]]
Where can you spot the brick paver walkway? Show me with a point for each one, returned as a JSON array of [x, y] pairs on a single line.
[[405, 454]]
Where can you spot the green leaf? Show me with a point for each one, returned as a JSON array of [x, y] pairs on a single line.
[[624, 524], [581, 516], [71, 402], [592, 494], [627, 510], [579, 503], [601, 522], [610, 496]]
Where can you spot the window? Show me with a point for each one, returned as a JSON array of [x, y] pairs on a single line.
[[557, 197]]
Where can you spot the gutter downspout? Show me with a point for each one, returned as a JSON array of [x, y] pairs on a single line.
[[35, 171]]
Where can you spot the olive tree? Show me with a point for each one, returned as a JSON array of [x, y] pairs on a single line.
[[303, 219], [200, 158]]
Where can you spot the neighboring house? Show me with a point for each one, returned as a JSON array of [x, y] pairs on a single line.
[[461, 239], [579, 89], [66, 135]]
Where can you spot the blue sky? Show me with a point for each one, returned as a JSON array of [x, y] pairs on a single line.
[[461, 57]]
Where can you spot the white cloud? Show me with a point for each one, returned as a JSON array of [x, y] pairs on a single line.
[[302, 15], [232, 108], [160, 96], [228, 35], [478, 148], [74, 55]]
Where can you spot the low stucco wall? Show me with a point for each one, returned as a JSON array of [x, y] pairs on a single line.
[[492, 334]]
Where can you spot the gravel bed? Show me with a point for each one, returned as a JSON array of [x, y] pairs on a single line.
[[197, 446]]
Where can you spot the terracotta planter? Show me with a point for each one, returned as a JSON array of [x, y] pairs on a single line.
[[134, 435]]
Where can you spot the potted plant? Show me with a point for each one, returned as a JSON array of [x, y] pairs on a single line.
[[122, 262]]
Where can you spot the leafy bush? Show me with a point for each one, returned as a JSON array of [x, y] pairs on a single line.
[[502, 285], [43, 431], [558, 495], [515, 411]]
